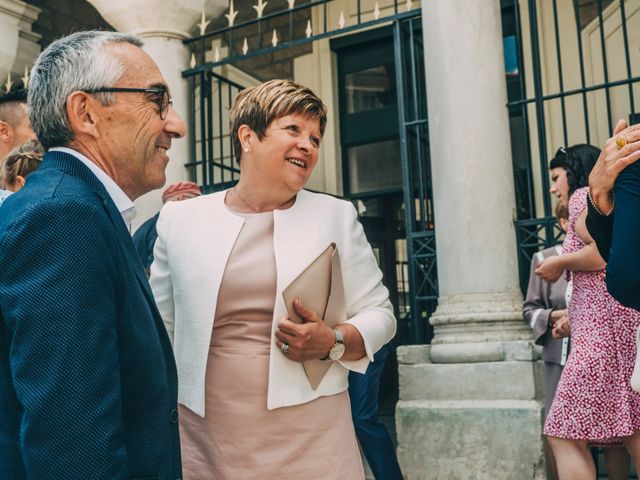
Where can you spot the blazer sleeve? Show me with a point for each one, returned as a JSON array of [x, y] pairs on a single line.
[[57, 290], [160, 280], [536, 309], [600, 228], [623, 269], [367, 299]]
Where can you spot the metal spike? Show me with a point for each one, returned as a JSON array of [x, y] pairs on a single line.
[[25, 79], [308, 31], [216, 54], [376, 11], [341, 22], [245, 46], [231, 16], [409, 5], [192, 63], [9, 83], [203, 24], [259, 8], [292, 3], [274, 38]]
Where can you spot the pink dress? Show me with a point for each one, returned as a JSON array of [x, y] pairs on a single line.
[[594, 400], [238, 438]]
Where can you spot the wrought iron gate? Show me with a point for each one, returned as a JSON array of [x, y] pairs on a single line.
[[573, 76], [416, 173]]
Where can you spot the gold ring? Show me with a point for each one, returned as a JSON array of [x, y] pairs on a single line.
[[621, 141]]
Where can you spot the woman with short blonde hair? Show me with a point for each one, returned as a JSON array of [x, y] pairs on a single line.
[[221, 264]]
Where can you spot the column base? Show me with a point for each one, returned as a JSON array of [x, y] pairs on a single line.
[[479, 318], [480, 420]]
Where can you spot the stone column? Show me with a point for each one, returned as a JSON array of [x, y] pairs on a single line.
[[470, 403], [163, 24], [18, 44]]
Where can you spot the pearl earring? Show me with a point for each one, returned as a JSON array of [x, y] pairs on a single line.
[[246, 150]]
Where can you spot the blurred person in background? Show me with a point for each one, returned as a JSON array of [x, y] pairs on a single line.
[[15, 128], [545, 311], [19, 163]]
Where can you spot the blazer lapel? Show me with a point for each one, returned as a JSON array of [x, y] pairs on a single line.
[[71, 165]]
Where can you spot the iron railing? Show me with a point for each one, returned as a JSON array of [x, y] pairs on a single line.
[[570, 91]]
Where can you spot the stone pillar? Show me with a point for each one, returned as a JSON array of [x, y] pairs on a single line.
[[163, 24], [18, 44], [470, 403]]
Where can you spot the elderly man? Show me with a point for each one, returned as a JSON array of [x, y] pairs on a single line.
[[88, 383], [15, 128]]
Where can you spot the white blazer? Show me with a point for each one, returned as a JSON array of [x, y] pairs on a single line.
[[195, 239]]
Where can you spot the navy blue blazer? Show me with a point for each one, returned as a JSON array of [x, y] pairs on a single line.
[[617, 237], [88, 383], [623, 267]]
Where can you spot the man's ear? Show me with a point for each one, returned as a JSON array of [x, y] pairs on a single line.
[[6, 133], [82, 114]]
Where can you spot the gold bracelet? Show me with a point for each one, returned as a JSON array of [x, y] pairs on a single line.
[[593, 204]]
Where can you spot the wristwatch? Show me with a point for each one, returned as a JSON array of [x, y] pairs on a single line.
[[336, 352]]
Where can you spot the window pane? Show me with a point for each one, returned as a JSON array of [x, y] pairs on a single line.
[[374, 166], [370, 89]]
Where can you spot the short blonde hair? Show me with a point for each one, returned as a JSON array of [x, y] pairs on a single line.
[[21, 161], [258, 106]]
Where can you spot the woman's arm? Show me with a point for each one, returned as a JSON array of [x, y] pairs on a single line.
[[160, 279], [586, 259], [370, 321]]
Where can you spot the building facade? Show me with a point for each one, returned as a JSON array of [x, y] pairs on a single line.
[[442, 117]]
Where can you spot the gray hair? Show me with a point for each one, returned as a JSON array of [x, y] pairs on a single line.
[[72, 63]]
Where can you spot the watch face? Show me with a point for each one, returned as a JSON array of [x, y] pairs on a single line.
[[337, 351]]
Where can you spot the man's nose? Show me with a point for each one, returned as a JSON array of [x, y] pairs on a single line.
[[174, 124]]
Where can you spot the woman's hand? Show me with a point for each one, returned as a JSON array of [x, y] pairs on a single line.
[[550, 270], [307, 341], [611, 162]]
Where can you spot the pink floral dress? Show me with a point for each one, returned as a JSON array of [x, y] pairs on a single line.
[[594, 400]]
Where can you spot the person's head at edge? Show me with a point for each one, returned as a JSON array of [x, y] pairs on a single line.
[[570, 168], [276, 129], [20, 162], [15, 128], [127, 134], [562, 216], [181, 191]]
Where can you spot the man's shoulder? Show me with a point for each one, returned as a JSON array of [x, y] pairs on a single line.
[[48, 200]]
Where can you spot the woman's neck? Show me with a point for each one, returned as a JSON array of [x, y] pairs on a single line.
[[256, 198]]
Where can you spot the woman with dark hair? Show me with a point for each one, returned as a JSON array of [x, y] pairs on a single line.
[[594, 404]]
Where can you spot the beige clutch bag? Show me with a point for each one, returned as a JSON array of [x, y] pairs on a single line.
[[319, 287]]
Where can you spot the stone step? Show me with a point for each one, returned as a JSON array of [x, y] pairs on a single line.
[[510, 380], [458, 440]]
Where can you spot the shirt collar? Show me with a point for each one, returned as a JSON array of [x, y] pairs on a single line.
[[123, 203]]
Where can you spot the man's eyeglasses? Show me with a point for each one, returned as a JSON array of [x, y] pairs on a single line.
[[162, 98]]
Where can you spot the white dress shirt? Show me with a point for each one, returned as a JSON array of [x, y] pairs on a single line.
[[123, 203]]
